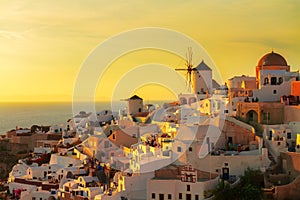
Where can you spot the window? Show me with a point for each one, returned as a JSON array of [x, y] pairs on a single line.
[[33, 198], [169, 196], [193, 100], [190, 149], [289, 135], [266, 81], [183, 100], [196, 197], [180, 196], [153, 196], [273, 80], [250, 93], [225, 111], [274, 91], [278, 143], [114, 136], [188, 188], [178, 149], [225, 170], [266, 116]]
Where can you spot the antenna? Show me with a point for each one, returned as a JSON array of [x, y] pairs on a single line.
[[189, 65]]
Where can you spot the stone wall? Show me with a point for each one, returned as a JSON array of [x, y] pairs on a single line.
[[291, 114], [288, 192]]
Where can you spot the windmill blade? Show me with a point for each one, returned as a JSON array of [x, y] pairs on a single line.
[[189, 58], [189, 69]]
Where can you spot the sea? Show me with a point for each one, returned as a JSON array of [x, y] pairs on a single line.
[[26, 114]]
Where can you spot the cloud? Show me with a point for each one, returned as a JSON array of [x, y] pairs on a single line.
[[11, 34]]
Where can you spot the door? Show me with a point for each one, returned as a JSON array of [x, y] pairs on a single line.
[[188, 197], [161, 196], [230, 140]]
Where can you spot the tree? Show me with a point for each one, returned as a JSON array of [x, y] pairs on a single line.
[[249, 188], [251, 185], [223, 191]]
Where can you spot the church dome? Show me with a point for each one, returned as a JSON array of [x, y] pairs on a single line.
[[272, 59]]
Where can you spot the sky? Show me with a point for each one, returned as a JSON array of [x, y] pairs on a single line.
[[43, 45]]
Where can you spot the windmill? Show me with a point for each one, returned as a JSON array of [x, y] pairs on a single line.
[[189, 69]]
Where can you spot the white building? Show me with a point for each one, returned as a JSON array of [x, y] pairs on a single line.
[[202, 82], [281, 138], [42, 172], [196, 144], [181, 182], [18, 170], [214, 105], [134, 105], [38, 194], [100, 147], [273, 80], [57, 128], [203, 85], [82, 187]]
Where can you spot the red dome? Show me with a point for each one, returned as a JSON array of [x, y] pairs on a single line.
[[272, 59]]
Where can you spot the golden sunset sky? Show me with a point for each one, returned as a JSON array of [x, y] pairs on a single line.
[[44, 43]]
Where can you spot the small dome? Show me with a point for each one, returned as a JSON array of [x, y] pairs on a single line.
[[272, 59]]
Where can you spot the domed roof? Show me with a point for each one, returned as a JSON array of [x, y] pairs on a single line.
[[272, 59]]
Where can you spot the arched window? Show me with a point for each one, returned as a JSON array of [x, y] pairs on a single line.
[[183, 100], [178, 149], [273, 80], [192, 100], [266, 81]]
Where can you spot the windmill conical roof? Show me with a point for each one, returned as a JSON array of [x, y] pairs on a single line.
[[203, 67], [135, 97]]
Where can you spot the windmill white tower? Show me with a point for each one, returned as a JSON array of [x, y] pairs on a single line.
[[202, 80], [198, 78]]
